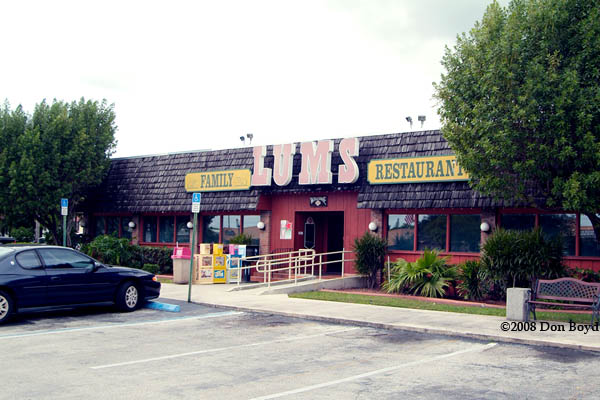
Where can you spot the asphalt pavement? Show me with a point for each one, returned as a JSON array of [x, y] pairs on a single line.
[[209, 352], [482, 327]]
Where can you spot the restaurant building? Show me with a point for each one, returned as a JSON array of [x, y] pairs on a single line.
[[406, 187]]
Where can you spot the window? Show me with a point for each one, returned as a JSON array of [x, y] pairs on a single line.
[[125, 229], [563, 225], [100, 226], [465, 234], [431, 232], [518, 222], [149, 233], [112, 226], [401, 231], [28, 259], [309, 233], [250, 222], [183, 233], [231, 227], [587, 237], [166, 229], [211, 227], [63, 258]]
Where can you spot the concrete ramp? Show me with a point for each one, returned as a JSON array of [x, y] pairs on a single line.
[[347, 282]]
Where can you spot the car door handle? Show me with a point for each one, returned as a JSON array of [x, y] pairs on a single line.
[[55, 278]]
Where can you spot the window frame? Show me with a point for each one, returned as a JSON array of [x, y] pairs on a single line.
[[416, 213], [105, 216], [240, 214], [537, 224]]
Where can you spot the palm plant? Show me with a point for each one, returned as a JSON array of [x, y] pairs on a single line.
[[427, 276], [474, 283]]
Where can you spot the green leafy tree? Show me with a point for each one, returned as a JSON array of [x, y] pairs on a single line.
[[12, 126], [520, 103], [370, 253], [61, 151]]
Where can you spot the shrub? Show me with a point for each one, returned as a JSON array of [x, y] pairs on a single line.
[[110, 250], [242, 238], [586, 275], [152, 268], [512, 257], [428, 276], [370, 253], [474, 283], [22, 234], [160, 256], [115, 251]]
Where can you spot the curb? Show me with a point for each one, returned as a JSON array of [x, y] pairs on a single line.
[[408, 328], [155, 305]]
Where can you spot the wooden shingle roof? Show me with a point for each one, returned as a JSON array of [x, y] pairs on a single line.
[[156, 184]]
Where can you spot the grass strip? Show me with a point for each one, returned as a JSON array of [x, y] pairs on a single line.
[[426, 305], [165, 280]]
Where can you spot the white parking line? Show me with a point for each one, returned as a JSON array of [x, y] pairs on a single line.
[[111, 326], [376, 372], [192, 353]]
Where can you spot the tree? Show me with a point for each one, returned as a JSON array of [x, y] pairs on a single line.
[[12, 126], [520, 104], [370, 254], [62, 151]]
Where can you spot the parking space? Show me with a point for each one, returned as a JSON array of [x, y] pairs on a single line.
[[212, 353]]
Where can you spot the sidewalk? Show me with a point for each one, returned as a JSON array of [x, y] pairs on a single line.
[[445, 323]]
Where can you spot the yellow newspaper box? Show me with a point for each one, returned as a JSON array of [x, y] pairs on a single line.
[[220, 268], [218, 249]]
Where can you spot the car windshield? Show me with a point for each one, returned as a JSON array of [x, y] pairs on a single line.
[[4, 251]]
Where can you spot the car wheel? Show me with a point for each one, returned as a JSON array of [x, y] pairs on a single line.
[[128, 297], [6, 306]]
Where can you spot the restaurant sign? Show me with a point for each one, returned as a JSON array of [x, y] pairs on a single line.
[[214, 181], [415, 170]]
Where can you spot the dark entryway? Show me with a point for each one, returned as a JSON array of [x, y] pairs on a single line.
[[323, 232]]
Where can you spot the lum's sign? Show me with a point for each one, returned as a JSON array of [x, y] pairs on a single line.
[[315, 168], [215, 181], [415, 169]]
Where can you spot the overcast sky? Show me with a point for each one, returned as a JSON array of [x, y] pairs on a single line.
[[188, 75]]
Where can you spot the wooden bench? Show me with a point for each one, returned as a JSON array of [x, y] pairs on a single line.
[[557, 292]]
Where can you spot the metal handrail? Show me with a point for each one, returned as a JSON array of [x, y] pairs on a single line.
[[295, 261]]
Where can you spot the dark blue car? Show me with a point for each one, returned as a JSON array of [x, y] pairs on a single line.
[[36, 277]]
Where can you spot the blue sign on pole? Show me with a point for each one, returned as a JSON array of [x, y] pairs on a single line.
[[196, 198], [64, 202]]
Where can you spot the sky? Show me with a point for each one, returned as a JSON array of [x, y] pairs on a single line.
[[191, 75]]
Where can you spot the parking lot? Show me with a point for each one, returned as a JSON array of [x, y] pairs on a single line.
[[203, 352]]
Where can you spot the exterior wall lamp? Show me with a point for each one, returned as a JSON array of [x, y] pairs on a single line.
[[190, 225], [131, 225], [373, 226], [485, 227], [260, 225]]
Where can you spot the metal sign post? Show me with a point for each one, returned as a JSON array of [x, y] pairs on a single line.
[[64, 211], [196, 198]]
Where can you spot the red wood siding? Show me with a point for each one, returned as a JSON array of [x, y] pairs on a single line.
[[284, 207], [410, 256]]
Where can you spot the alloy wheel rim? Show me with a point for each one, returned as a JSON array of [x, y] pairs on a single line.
[[3, 307], [131, 296]]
